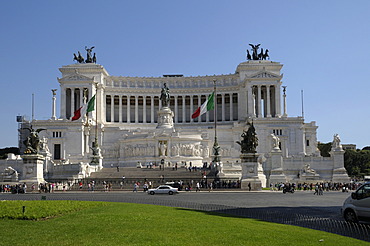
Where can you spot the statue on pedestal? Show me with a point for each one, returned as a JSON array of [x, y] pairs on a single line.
[[308, 170], [33, 141], [95, 149], [275, 142], [165, 96], [255, 55], [336, 142], [249, 140], [89, 58]]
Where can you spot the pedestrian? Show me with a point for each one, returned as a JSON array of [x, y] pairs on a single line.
[[316, 190], [197, 187], [136, 186], [321, 190], [249, 187]]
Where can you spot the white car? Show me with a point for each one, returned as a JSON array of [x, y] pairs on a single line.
[[357, 206], [163, 189]]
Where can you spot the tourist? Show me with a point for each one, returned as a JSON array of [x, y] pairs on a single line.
[[145, 186], [24, 188], [136, 186], [197, 187]]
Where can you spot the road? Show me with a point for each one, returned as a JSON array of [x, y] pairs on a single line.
[[301, 202]]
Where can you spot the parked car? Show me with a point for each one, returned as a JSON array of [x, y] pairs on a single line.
[[357, 206], [163, 189]]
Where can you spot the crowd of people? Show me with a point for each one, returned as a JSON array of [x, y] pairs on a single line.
[[33, 188], [318, 187]]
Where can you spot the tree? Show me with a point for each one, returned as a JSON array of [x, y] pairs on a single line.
[[5, 151], [324, 149], [357, 162]]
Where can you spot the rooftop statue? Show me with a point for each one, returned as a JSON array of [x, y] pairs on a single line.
[[165, 96], [90, 59], [255, 55], [249, 140], [33, 141]]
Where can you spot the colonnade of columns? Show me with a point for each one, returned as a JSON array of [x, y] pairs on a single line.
[[264, 101], [73, 100], [143, 109]]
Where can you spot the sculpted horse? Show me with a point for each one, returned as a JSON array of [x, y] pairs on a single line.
[[266, 55], [78, 58]]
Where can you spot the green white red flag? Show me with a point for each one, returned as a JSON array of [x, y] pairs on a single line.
[[88, 107], [208, 105]]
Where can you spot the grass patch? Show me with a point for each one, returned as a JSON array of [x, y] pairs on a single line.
[[137, 224], [36, 210]]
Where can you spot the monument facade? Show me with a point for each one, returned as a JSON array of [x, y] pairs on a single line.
[[147, 119]]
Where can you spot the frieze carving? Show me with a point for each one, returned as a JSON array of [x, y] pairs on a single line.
[[75, 77], [264, 75], [138, 150]]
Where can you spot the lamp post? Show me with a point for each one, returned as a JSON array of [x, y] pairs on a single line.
[[216, 147]]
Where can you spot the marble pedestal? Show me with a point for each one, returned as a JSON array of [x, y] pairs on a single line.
[[165, 118], [33, 169], [277, 173], [339, 172], [250, 179], [96, 162]]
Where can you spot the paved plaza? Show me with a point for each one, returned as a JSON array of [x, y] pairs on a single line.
[[301, 202]]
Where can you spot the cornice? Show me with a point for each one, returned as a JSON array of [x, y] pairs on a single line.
[[86, 68], [173, 92]]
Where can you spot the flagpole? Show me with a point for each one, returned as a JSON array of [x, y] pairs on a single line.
[[96, 115], [215, 111], [216, 147]]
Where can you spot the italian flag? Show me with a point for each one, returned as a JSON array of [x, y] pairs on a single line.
[[208, 105], [88, 107]]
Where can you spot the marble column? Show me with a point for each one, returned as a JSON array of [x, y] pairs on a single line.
[[183, 109], [151, 109], [54, 107], [199, 104], [223, 107], [81, 97], [259, 113], [268, 101], [128, 109], [251, 103], [231, 107], [144, 109], [277, 101], [120, 108], [191, 106], [176, 109], [136, 109], [72, 101], [112, 108]]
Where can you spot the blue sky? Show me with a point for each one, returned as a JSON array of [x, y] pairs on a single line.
[[323, 45]]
